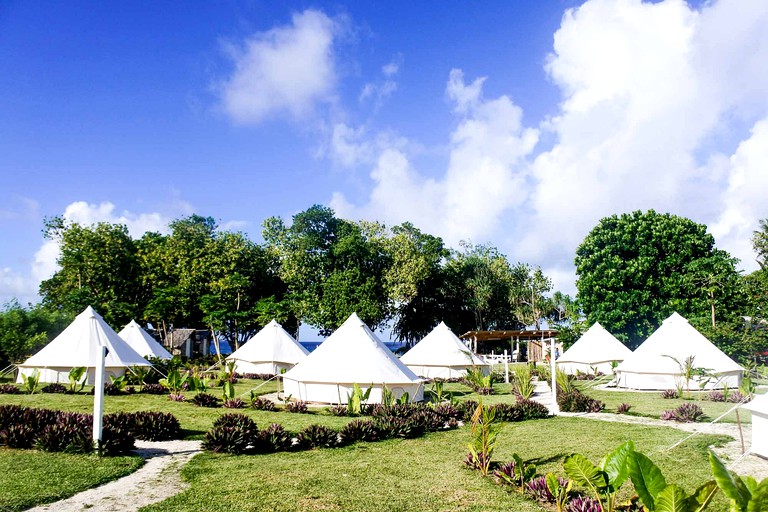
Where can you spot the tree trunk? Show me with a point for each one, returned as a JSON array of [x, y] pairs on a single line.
[[712, 304]]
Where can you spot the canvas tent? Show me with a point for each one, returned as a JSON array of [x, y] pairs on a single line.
[[759, 408], [78, 345], [271, 350], [140, 341], [441, 354], [351, 355], [595, 350], [652, 365]]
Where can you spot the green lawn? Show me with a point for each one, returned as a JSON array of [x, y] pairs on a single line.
[[29, 477], [652, 405], [421, 474]]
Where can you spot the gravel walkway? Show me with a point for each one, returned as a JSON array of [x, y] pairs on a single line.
[[159, 478]]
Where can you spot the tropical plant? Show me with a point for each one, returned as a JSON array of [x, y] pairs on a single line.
[[119, 383], [356, 399], [623, 408], [688, 372], [686, 413], [317, 436], [485, 430], [476, 379], [387, 396], [30, 382], [297, 407], [669, 394], [744, 492], [604, 481], [522, 381], [515, 473], [77, 378], [560, 489], [228, 391], [205, 400], [262, 404], [405, 398], [437, 393], [54, 387], [656, 495], [175, 381]]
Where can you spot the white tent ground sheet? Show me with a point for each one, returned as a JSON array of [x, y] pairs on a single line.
[[79, 345], [595, 350], [351, 355], [759, 408], [140, 341], [441, 354], [271, 350], [651, 365]]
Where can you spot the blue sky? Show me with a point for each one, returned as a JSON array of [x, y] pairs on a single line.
[[515, 123]]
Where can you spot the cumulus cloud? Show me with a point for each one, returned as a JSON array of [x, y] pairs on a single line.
[[287, 69], [380, 90], [24, 285], [483, 177], [663, 106]]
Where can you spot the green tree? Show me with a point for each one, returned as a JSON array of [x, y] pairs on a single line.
[[634, 270], [23, 331], [760, 244], [98, 267], [415, 281], [332, 267], [529, 284]]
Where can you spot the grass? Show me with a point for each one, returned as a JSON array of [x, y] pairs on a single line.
[[29, 478], [422, 474], [408, 475], [651, 404]]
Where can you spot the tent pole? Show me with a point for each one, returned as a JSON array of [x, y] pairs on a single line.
[[555, 408], [506, 368]]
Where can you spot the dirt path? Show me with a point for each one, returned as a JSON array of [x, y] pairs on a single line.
[[159, 478], [731, 453]]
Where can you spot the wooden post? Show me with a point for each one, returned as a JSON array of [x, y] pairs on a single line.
[[553, 368], [506, 368]]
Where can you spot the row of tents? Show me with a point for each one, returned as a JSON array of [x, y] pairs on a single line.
[[656, 363]]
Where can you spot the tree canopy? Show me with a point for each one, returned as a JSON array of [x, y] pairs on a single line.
[[634, 270]]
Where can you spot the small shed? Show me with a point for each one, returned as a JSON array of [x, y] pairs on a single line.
[[759, 408]]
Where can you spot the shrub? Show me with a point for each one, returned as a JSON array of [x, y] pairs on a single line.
[[583, 504], [262, 404], [177, 397], [623, 408], [735, 397], [226, 439], [54, 388], [531, 410], [9, 389], [275, 438], [448, 411], [65, 436], [338, 410], [393, 426], [154, 389], [466, 409], [297, 407], [686, 413], [505, 474], [205, 400], [317, 436], [11, 415], [17, 436], [234, 403], [359, 430], [156, 426], [240, 421], [507, 412], [537, 488], [576, 401], [670, 394], [112, 389]]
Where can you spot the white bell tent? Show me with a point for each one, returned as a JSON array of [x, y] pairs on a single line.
[[271, 351], [652, 365], [595, 350], [351, 355], [79, 345], [140, 341], [759, 408], [441, 354]]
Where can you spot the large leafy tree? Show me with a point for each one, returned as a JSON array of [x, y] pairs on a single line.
[[24, 330], [416, 282], [332, 267], [98, 267], [633, 270], [527, 294]]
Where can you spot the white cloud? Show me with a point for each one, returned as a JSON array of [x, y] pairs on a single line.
[[483, 178], [663, 106], [381, 90], [287, 69]]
